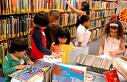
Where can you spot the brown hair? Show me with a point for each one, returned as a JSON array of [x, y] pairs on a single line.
[[108, 26]]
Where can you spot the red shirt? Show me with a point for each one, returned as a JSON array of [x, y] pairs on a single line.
[[39, 44]]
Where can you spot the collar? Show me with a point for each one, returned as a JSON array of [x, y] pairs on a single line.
[[83, 27]]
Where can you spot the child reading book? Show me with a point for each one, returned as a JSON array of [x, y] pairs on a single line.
[[113, 42], [15, 59], [62, 37]]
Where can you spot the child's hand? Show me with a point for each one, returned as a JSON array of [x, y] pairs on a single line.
[[19, 67], [113, 54], [30, 62], [56, 55]]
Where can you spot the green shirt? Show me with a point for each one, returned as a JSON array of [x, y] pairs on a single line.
[[9, 64]]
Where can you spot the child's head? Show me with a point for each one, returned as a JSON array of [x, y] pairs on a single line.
[[85, 20], [85, 7], [62, 36], [19, 46], [53, 15], [41, 19], [114, 29]]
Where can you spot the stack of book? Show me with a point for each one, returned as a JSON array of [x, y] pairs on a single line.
[[94, 63]]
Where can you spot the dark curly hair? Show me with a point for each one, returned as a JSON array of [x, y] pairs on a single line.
[[120, 32]]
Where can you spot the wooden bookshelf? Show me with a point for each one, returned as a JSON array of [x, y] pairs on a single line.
[[98, 9], [12, 38]]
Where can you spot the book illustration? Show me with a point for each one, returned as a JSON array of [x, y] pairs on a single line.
[[68, 73], [29, 71]]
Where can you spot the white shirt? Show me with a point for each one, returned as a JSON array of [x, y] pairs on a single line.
[[82, 35]]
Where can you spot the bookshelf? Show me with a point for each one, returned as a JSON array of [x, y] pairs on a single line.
[[18, 13], [100, 13]]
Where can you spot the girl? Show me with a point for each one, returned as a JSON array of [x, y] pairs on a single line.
[[84, 9], [62, 37], [15, 59], [83, 33], [38, 37], [113, 42]]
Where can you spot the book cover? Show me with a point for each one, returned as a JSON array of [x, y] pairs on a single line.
[[29, 71], [68, 73], [66, 51]]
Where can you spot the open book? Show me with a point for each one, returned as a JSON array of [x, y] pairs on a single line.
[[30, 71], [120, 64], [68, 73]]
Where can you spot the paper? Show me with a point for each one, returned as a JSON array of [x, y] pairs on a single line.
[[51, 59]]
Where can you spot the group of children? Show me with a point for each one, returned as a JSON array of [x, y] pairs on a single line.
[[48, 36]]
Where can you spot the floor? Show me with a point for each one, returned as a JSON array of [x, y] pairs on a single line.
[[94, 46]]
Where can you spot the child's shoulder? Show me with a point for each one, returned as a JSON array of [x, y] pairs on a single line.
[[54, 45]]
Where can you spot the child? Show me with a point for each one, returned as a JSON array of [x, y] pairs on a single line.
[[83, 34], [38, 37], [83, 10], [52, 26], [15, 59], [62, 37], [113, 42]]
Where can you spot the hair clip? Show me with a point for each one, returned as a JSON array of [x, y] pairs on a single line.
[[114, 24]]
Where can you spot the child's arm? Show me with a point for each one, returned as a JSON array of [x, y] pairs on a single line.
[[7, 69], [101, 49], [52, 47], [28, 60], [77, 11], [38, 42], [122, 48]]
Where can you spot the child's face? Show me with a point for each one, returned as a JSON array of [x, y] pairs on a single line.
[[87, 23], [62, 40], [20, 54], [113, 32]]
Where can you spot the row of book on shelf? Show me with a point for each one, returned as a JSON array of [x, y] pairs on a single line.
[[21, 6], [101, 13], [15, 26], [102, 4]]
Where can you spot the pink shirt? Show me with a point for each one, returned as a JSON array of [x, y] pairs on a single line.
[[111, 45]]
